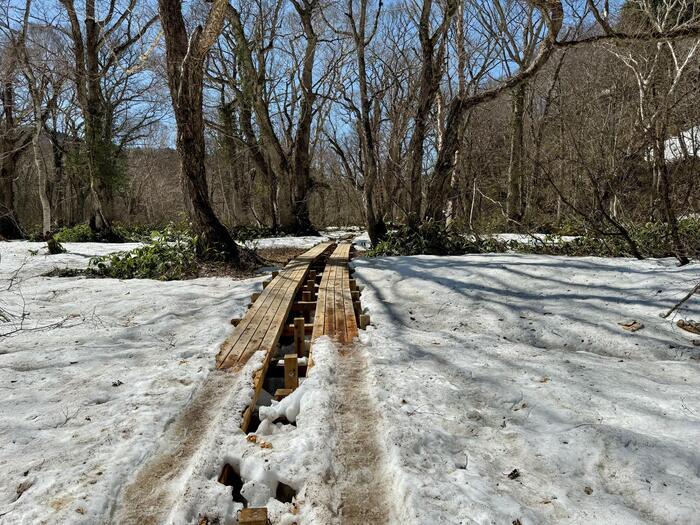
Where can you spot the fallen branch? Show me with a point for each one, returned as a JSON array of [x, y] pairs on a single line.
[[682, 301]]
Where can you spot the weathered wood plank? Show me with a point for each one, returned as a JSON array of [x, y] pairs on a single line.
[[335, 312], [263, 323]]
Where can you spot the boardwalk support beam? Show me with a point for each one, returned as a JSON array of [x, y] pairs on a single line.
[[299, 331], [291, 372]]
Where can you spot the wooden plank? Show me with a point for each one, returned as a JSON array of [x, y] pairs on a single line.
[[335, 309], [299, 332], [339, 304], [273, 303], [250, 322], [253, 516], [234, 346], [267, 345], [264, 323], [320, 312], [364, 321], [289, 329], [281, 393]]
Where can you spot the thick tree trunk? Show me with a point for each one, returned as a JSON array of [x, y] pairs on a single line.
[[185, 66], [98, 136], [291, 169], [444, 168], [59, 186], [9, 223], [451, 206], [431, 74], [12, 145], [301, 179], [376, 228]]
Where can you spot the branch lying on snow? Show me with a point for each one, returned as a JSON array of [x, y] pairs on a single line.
[[18, 318], [682, 301], [57, 324]]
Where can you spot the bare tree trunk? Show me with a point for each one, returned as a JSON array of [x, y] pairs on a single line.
[[9, 224], [431, 74], [661, 174], [42, 176], [292, 175], [301, 179], [185, 67], [514, 200], [461, 71], [87, 79], [376, 228], [60, 194], [11, 147]]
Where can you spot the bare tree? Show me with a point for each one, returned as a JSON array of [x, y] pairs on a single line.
[[185, 66], [363, 29], [14, 139], [433, 45], [44, 80], [659, 69], [285, 147], [97, 46]]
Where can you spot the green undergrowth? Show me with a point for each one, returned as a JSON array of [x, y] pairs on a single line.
[[77, 233], [250, 233], [169, 255], [127, 233], [430, 238], [433, 238], [141, 233]]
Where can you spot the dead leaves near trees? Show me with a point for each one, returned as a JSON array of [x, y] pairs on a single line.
[[22, 488], [689, 326], [684, 324], [631, 326]]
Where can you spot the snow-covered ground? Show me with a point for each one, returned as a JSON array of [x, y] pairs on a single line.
[[533, 238], [100, 368], [490, 389], [304, 242], [508, 391], [362, 241]]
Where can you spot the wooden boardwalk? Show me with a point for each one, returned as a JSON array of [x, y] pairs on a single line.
[[336, 314], [262, 325]]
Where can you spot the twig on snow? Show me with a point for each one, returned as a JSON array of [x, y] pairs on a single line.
[[682, 301]]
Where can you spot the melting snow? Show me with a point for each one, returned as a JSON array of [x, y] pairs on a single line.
[[509, 391]]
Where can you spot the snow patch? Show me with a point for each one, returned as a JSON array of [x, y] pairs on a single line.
[[93, 374], [488, 364], [300, 457]]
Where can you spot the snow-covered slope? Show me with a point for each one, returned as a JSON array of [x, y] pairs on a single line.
[[509, 391], [97, 372]]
